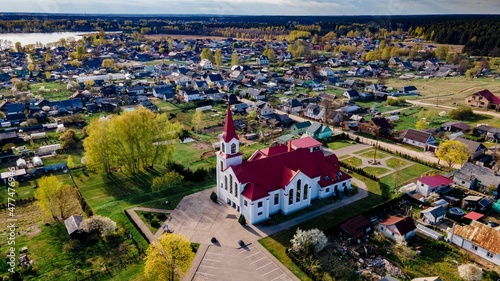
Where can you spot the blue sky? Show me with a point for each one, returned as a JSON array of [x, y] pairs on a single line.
[[256, 7]]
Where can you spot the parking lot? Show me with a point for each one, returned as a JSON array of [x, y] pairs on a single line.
[[246, 263]]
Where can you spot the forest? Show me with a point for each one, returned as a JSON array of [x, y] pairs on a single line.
[[479, 33]]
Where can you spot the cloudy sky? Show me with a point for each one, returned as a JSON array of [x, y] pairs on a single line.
[[256, 7]]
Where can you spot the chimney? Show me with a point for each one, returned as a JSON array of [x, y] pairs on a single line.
[[289, 146]]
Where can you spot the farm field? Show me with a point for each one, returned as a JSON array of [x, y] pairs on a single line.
[[448, 90]]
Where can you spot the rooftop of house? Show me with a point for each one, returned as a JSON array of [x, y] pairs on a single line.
[[417, 135], [481, 235], [403, 224], [435, 181]]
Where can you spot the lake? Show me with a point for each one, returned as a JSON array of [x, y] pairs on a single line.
[[44, 38]]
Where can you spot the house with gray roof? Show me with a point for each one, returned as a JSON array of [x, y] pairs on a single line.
[[433, 215], [476, 149], [299, 128], [420, 139], [319, 131], [476, 177], [73, 225]]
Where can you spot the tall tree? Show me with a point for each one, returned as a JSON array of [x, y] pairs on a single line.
[[99, 145], [54, 198], [234, 59], [168, 258], [197, 121], [206, 53], [453, 152], [218, 59]]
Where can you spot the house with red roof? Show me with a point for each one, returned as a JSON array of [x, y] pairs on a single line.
[[398, 228], [283, 178], [428, 184], [483, 99]]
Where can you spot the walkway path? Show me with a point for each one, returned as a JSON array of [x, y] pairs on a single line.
[[142, 226]]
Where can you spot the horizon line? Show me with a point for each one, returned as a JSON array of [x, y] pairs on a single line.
[[257, 15]]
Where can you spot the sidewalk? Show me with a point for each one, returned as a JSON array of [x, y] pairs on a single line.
[[142, 226]]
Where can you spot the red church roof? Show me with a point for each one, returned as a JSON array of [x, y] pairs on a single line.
[[435, 181], [276, 171], [489, 96], [229, 131]]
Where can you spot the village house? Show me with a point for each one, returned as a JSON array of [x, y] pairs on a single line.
[[262, 60], [476, 177], [163, 92], [483, 99], [489, 132], [476, 149], [398, 228], [300, 128], [423, 140], [428, 184], [274, 179], [351, 94], [314, 111], [356, 226], [456, 127], [477, 238], [319, 131], [191, 95], [206, 64], [293, 106], [376, 126], [433, 215]]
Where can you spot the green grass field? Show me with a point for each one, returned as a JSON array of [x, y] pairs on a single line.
[[376, 171], [371, 153], [56, 90], [337, 144], [353, 161], [396, 163], [414, 171]]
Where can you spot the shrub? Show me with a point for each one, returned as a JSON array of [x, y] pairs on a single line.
[[213, 196], [242, 220], [461, 113]]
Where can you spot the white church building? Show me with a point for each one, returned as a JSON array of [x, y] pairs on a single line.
[[282, 178]]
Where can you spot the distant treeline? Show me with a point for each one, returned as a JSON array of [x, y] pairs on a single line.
[[479, 33]]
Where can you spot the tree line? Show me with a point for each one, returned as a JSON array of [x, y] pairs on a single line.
[[477, 32]]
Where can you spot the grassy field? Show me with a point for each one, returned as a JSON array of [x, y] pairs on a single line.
[[395, 163], [56, 91], [337, 144], [448, 90], [353, 161], [414, 171], [376, 171], [371, 153]]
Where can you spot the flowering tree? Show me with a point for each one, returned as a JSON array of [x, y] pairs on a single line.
[[470, 272], [104, 226], [303, 240]]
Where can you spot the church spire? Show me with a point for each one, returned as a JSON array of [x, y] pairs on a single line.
[[229, 131]]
